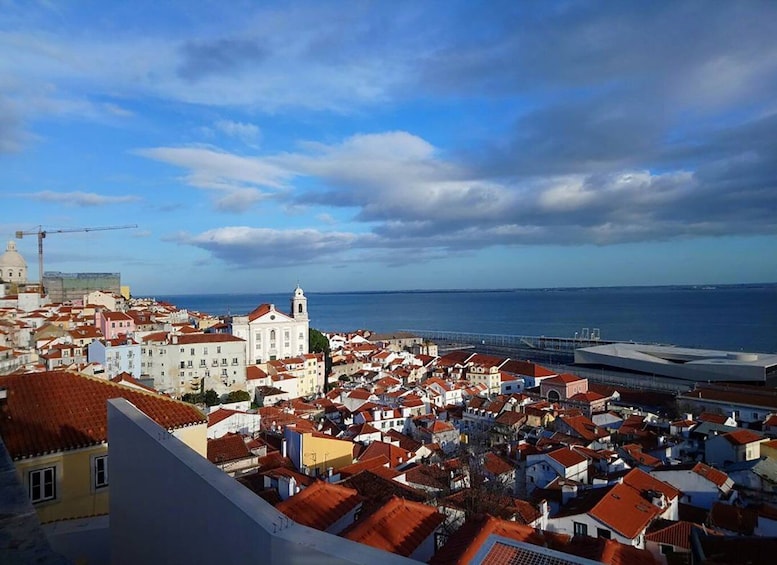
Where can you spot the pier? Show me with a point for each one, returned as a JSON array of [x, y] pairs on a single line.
[[586, 338]]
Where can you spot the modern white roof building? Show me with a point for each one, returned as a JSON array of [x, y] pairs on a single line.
[[700, 365]]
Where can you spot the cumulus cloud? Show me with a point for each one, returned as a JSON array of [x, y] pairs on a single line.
[[409, 196], [77, 198], [249, 246]]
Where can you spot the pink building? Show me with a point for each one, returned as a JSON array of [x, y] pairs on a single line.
[[114, 324], [563, 387]]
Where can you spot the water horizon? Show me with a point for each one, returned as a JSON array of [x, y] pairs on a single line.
[[727, 317]]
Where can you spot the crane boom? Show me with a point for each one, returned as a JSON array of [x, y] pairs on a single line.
[[42, 233]]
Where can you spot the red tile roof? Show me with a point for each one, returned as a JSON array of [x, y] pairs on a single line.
[[677, 534], [742, 437], [400, 526], [496, 465], [220, 415], [253, 372], [320, 505], [227, 448], [57, 411], [624, 510], [395, 454], [364, 464], [462, 547], [717, 477], [562, 379], [567, 457], [205, 338], [259, 311], [643, 482]]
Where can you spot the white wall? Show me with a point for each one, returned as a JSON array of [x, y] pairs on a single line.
[[165, 497]]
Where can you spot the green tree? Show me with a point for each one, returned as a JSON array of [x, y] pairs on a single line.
[[317, 342], [238, 396], [211, 398]]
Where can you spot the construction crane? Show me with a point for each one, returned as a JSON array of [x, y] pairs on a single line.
[[42, 233]]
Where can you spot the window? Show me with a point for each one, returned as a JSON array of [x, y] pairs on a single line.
[[205, 351], [218, 349], [43, 484], [603, 533], [580, 529], [666, 549], [234, 360], [191, 351], [100, 468]]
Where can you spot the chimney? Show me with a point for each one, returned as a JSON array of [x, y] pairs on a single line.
[[284, 448], [544, 513], [174, 339], [568, 492]]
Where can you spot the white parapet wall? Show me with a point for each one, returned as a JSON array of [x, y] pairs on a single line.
[[170, 505]]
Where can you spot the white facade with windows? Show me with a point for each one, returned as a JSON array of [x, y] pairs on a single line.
[[271, 334], [116, 356], [181, 364]]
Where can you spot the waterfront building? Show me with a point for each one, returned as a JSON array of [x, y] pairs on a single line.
[[698, 365], [270, 334]]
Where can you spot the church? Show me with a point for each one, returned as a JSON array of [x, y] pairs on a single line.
[[270, 334], [13, 267]]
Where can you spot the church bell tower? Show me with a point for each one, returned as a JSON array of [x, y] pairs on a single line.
[[299, 305]]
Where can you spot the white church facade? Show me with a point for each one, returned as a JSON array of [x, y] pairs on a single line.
[[271, 334], [13, 267]]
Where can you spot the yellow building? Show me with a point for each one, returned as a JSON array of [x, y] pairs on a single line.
[[315, 452], [54, 425]]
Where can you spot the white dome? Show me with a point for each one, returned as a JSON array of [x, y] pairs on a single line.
[[12, 258]]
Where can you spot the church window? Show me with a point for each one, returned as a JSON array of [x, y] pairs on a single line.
[[272, 335], [299, 308]]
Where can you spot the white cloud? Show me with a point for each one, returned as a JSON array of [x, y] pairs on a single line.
[[77, 198], [246, 132]]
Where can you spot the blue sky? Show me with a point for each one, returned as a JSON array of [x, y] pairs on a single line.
[[392, 145]]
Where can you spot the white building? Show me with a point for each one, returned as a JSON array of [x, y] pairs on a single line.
[[179, 363], [117, 356], [271, 334], [224, 421], [13, 267]]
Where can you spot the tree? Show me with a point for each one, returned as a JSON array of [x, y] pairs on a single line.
[[238, 396], [317, 342], [209, 397]]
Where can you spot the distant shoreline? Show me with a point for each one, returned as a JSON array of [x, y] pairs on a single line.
[[487, 290]]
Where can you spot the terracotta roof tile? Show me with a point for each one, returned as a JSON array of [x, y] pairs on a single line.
[[742, 437], [58, 411], [320, 505], [400, 526], [227, 448], [567, 457]]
